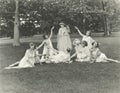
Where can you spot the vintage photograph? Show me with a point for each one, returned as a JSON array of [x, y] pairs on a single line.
[[59, 46]]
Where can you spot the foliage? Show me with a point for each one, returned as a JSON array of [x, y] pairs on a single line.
[[37, 16]]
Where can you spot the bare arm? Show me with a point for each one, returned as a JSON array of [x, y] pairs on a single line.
[[40, 54], [79, 31], [37, 53], [51, 32], [73, 55], [40, 45]]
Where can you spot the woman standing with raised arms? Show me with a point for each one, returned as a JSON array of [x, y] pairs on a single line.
[[63, 38]]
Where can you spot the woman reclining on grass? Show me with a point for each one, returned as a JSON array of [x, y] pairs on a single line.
[[98, 56], [61, 57]]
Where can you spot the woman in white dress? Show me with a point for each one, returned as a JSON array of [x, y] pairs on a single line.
[[77, 47], [48, 49], [63, 38], [82, 51], [61, 57], [86, 37], [98, 56], [30, 58]]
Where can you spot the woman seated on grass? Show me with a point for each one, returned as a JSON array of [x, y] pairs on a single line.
[[82, 51], [98, 56], [77, 47], [48, 47], [30, 58]]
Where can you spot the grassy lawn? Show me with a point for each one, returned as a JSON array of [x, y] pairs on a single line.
[[61, 78]]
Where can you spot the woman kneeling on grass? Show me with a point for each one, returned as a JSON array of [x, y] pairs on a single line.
[[98, 56], [30, 58]]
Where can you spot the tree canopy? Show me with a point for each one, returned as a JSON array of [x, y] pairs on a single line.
[[37, 16]]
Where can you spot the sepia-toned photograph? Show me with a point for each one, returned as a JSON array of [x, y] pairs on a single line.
[[59, 46]]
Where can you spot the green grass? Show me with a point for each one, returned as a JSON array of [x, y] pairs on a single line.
[[61, 78]]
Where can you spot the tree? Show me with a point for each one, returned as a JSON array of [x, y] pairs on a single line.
[[39, 15], [16, 26], [112, 11]]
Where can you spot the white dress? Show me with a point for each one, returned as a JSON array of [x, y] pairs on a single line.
[[83, 54], [61, 57], [99, 56], [48, 50], [29, 59], [63, 39], [89, 41]]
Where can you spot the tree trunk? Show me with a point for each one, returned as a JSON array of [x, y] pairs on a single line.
[[16, 26], [108, 27], [105, 26], [105, 21]]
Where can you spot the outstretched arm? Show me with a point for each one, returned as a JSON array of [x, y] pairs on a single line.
[[40, 45], [79, 31], [73, 55], [37, 54], [51, 32]]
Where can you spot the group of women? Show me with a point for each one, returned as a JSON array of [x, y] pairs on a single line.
[[86, 50]]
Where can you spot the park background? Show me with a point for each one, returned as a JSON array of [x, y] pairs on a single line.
[[24, 21], [21, 18]]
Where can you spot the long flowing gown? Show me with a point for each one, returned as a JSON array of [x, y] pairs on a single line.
[[63, 39]]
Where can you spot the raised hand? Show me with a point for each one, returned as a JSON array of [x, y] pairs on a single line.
[[51, 32], [76, 27], [52, 28], [79, 31]]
